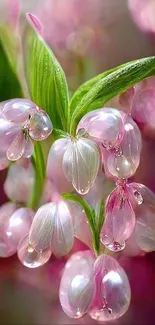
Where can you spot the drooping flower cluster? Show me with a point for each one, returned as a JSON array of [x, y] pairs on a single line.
[[21, 122], [99, 287], [105, 138]]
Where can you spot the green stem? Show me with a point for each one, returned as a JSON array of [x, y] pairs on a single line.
[[91, 217], [39, 168]]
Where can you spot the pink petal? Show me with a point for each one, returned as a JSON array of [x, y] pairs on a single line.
[[7, 247], [143, 106], [125, 164], [17, 147], [77, 287], [119, 220], [17, 110], [19, 182], [54, 166], [104, 124], [142, 194], [8, 131], [52, 225], [143, 13], [145, 228], [113, 292], [29, 256], [28, 149], [40, 126]]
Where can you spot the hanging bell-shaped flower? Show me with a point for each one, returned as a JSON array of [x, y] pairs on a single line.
[[105, 125], [119, 219], [81, 163], [113, 292], [124, 162], [77, 287], [52, 226], [145, 217]]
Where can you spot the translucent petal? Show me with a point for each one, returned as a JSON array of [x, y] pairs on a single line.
[[119, 220], [17, 147], [145, 227], [81, 227], [19, 182], [17, 110], [7, 247], [143, 106], [52, 225], [4, 162], [77, 287], [54, 165], [113, 292], [19, 224], [125, 164], [104, 124], [81, 163], [8, 132], [29, 256], [28, 149], [40, 126], [142, 194]]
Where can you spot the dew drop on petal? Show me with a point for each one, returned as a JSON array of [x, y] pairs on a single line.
[[81, 163], [17, 147], [40, 126], [29, 256]]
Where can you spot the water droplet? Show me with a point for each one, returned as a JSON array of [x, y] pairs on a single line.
[[115, 247], [138, 197]]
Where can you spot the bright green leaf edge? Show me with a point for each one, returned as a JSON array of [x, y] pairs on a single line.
[[98, 92], [45, 78]]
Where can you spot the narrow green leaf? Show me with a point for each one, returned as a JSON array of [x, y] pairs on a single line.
[[9, 83], [100, 218], [46, 79], [111, 85], [57, 133], [84, 88]]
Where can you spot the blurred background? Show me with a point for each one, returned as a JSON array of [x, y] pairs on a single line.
[[88, 37]]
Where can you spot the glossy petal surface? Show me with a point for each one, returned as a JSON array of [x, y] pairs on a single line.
[[54, 165], [104, 124], [8, 132], [40, 126], [19, 181], [119, 220], [7, 247], [77, 287], [81, 163], [29, 256], [113, 290], [125, 164], [52, 226], [17, 110], [17, 147]]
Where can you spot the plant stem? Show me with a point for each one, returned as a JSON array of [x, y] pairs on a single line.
[[39, 168]]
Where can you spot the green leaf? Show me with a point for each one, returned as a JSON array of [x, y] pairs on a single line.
[[111, 85], [9, 83], [91, 217], [84, 88], [57, 133], [45, 78], [40, 170]]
